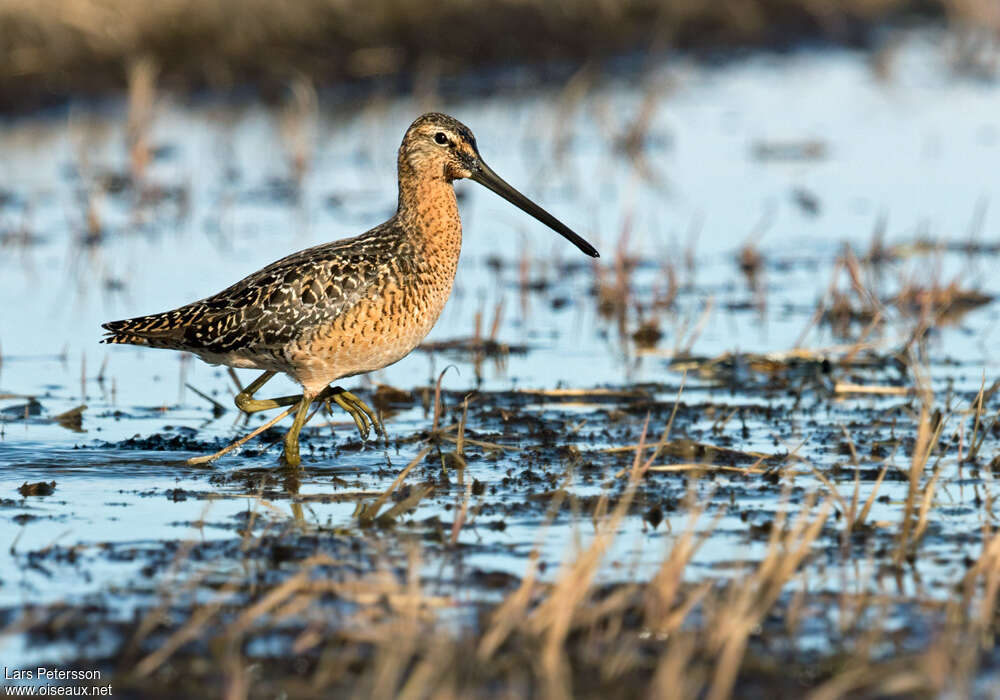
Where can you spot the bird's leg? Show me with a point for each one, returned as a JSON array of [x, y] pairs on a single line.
[[291, 454], [363, 417], [236, 443], [248, 404], [356, 409], [247, 394]]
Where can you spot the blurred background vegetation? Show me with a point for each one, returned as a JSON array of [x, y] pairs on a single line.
[[49, 48]]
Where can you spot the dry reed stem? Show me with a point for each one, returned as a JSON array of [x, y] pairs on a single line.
[[482, 443], [553, 617], [869, 502], [880, 390], [974, 443], [758, 593], [205, 459], [659, 610], [187, 632], [438, 407], [512, 611], [703, 467], [216, 406], [460, 514], [926, 441], [169, 585], [407, 503], [370, 512], [597, 391], [142, 77], [699, 326]]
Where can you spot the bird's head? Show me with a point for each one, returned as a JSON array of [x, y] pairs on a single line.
[[439, 146]]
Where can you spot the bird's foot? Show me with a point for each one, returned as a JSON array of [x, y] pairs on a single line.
[[290, 456], [357, 409]]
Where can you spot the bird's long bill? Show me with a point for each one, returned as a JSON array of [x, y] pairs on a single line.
[[485, 176]]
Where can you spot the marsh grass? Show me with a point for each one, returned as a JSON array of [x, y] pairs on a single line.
[[570, 637], [322, 622], [58, 47]]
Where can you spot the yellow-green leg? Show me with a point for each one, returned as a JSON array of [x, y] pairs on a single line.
[[364, 418], [357, 409], [248, 404], [291, 454]]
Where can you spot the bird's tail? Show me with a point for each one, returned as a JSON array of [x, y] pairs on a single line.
[[142, 330]]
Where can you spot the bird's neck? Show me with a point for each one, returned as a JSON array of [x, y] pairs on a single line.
[[429, 211]]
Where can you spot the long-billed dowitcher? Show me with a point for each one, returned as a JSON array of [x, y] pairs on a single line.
[[346, 307]]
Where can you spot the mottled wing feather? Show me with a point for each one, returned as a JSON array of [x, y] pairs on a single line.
[[275, 305]]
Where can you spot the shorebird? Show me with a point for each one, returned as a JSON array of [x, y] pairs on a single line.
[[351, 306]]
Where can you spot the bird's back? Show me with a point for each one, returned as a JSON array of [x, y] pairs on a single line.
[[256, 318]]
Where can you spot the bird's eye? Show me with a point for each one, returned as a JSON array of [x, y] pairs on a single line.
[[440, 138]]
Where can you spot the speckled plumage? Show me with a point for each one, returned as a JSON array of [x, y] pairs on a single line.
[[327, 306], [350, 306], [334, 310]]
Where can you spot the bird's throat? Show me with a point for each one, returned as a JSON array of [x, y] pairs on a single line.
[[430, 211]]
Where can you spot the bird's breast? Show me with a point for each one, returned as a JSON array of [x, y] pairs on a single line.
[[382, 327]]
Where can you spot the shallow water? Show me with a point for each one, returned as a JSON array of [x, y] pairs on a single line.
[[798, 153]]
